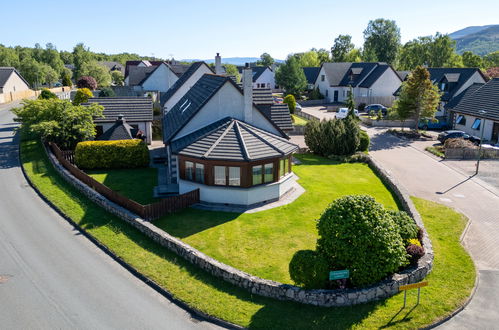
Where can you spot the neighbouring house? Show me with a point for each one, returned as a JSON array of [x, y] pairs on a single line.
[[277, 112], [113, 66], [11, 81], [477, 109], [218, 140], [374, 82], [451, 82], [311, 73], [183, 84], [262, 76], [153, 76], [120, 130], [137, 112]]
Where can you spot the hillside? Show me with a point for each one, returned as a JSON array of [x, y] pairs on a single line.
[[480, 40]]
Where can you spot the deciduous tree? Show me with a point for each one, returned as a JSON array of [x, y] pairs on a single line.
[[265, 60], [381, 41], [341, 47], [291, 76], [471, 60]]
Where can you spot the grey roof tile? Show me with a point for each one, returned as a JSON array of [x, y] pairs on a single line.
[[485, 97], [134, 109], [311, 73]]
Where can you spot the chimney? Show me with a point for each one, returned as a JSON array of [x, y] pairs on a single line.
[[218, 64], [120, 119], [248, 93]]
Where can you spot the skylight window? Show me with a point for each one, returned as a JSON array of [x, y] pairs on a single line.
[[184, 106]]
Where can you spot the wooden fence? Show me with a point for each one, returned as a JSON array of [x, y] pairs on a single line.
[[149, 212]]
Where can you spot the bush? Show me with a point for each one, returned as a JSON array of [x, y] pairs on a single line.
[[332, 137], [316, 94], [291, 102], [82, 96], [458, 143], [46, 94], [414, 241], [415, 252], [361, 107], [107, 92], [112, 154], [309, 269], [86, 82], [406, 225], [364, 141], [66, 80], [356, 233]]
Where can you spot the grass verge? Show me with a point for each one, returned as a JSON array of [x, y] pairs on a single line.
[[437, 151], [450, 282], [299, 121]]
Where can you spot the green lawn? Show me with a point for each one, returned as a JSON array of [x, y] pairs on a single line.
[[263, 243], [450, 282], [136, 183], [299, 121]]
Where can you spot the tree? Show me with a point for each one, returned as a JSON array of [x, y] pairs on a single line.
[[291, 102], [355, 55], [81, 55], [231, 70], [46, 94], [350, 103], [491, 60], [265, 60], [50, 76], [471, 60], [117, 77], [32, 71], [8, 57], [66, 57], [66, 77], [291, 76], [59, 121], [323, 55], [52, 57], [433, 51], [99, 72], [419, 97], [82, 95], [341, 47], [86, 82], [309, 59], [381, 41]]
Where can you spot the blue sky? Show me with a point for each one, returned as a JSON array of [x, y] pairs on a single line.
[[199, 29]]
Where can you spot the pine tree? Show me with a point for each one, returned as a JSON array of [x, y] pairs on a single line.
[[350, 103], [419, 97]]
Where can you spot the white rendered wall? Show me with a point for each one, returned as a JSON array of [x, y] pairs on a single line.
[[14, 84], [475, 78], [160, 80], [267, 77], [487, 129], [387, 84]]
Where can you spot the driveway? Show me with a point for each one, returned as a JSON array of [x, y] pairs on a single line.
[[51, 277], [426, 177]]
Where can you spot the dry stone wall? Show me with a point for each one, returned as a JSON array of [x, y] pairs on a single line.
[[263, 287]]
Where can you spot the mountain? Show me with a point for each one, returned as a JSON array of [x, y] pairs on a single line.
[[231, 60], [480, 40]]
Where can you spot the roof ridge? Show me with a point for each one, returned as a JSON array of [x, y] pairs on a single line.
[[220, 138], [241, 141], [263, 140]]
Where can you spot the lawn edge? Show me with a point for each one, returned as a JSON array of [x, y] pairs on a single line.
[[194, 312]]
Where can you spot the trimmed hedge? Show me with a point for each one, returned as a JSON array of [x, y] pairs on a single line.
[[364, 141], [112, 154]]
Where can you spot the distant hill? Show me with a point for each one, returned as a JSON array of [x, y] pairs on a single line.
[[231, 60], [480, 40]]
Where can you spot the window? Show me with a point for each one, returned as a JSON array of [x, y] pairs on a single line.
[[327, 92], [189, 170], [461, 120], [199, 173], [234, 176], [286, 165], [257, 174], [323, 77], [283, 167], [269, 172], [476, 124], [220, 177], [442, 86]]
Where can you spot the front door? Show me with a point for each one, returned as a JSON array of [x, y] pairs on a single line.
[[335, 97], [495, 132]]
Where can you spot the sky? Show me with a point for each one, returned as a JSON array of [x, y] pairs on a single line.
[[198, 29]]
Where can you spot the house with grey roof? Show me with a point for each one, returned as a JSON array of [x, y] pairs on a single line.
[[151, 78], [11, 81], [136, 112], [371, 82], [311, 74], [476, 109], [218, 140], [262, 76]]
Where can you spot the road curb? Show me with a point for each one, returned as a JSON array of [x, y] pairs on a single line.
[[194, 313]]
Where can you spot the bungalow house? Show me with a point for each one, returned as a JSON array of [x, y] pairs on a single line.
[[371, 82], [136, 112], [120, 130], [477, 109], [11, 81], [219, 141], [311, 74], [153, 76], [452, 82], [113, 66], [262, 77]]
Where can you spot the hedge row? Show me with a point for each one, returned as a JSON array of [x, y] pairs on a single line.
[[112, 154]]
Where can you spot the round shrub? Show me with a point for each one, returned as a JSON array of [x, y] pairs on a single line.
[[107, 92], [46, 94], [309, 269], [111, 154], [364, 141], [356, 233], [86, 82], [405, 224], [82, 95], [291, 102], [415, 252]]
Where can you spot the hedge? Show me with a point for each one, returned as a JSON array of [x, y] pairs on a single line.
[[112, 154]]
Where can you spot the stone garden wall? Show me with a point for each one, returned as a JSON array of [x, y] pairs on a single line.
[[265, 287]]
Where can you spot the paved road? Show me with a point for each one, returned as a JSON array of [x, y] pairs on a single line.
[[51, 277], [424, 176]]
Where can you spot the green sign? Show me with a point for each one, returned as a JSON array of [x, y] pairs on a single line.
[[339, 274]]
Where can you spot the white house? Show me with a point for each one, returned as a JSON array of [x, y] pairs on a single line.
[[11, 81], [219, 141], [262, 77], [150, 78], [183, 84], [371, 82]]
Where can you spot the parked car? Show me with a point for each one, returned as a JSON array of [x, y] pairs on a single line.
[[375, 108], [298, 106], [455, 134], [430, 123], [343, 113]]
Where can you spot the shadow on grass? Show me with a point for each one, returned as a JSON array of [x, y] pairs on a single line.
[[273, 313]]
